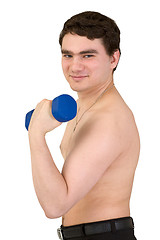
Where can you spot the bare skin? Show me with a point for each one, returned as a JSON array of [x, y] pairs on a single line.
[[100, 156], [110, 197]]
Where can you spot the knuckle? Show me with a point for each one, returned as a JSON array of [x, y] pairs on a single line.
[[44, 100]]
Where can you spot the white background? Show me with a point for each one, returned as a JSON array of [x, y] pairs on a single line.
[[30, 70]]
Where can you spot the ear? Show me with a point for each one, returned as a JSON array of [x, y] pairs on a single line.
[[115, 59]]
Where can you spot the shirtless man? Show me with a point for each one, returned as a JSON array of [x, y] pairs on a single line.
[[100, 145]]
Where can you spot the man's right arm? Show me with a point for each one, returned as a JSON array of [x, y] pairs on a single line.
[[97, 146]]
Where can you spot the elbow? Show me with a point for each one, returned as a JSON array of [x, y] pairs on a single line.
[[53, 213], [50, 216], [55, 210]]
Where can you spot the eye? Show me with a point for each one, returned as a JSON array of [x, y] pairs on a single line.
[[88, 56], [67, 56]]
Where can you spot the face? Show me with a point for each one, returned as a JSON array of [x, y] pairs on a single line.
[[85, 63]]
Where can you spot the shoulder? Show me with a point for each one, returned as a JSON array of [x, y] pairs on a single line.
[[113, 123], [100, 134]]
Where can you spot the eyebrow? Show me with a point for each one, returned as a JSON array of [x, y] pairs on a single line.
[[64, 51]]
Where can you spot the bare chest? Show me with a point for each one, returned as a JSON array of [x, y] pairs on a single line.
[[73, 134]]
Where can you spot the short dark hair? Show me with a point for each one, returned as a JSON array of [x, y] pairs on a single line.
[[94, 25]]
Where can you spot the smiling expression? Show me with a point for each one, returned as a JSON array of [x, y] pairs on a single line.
[[85, 62]]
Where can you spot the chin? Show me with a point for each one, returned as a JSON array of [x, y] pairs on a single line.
[[78, 88], [75, 88]]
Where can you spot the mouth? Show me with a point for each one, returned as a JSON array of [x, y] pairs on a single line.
[[78, 77]]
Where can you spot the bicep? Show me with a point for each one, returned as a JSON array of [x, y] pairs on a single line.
[[88, 161]]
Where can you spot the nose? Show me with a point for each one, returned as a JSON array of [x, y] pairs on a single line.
[[76, 65]]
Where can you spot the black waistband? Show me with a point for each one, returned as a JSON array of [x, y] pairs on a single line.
[[87, 229]]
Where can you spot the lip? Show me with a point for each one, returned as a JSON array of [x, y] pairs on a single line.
[[78, 77]]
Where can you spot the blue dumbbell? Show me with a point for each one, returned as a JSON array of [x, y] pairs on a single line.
[[64, 109]]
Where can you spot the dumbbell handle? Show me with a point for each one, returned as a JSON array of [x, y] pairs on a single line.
[[64, 109]]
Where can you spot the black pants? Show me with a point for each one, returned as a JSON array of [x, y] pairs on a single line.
[[125, 234]]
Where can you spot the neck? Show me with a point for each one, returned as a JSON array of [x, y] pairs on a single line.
[[85, 99]]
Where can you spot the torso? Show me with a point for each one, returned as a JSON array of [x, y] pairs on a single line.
[[110, 197]]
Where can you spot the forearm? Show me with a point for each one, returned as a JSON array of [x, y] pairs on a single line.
[[49, 184]]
